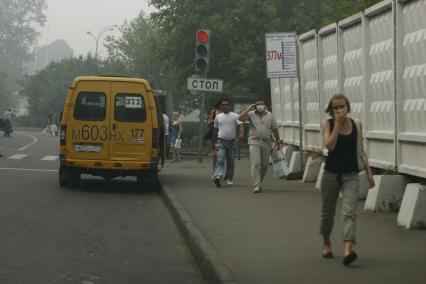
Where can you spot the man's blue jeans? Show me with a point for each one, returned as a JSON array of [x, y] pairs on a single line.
[[225, 152]]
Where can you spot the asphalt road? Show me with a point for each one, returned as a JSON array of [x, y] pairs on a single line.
[[103, 232]]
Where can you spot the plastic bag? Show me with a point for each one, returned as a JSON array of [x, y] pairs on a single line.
[[279, 165], [178, 143]]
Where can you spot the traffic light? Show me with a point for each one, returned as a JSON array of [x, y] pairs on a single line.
[[202, 50]]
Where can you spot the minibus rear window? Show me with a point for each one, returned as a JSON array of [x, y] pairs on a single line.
[[90, 106], [129, 108]]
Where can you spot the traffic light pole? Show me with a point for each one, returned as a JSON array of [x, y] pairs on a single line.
[[202, 61], [201, 123]]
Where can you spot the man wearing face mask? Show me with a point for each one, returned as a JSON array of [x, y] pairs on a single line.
[[262, 126]]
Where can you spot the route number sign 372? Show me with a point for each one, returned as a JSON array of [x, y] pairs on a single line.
[[281, 55]]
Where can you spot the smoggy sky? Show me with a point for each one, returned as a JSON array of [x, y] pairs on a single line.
[[70, 19]]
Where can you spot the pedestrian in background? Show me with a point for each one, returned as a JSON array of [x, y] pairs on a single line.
[[262, 126], [7, 120], [166, 134], [214, 112], [342, 136], [225, 129], [175, 131], [1, 126]]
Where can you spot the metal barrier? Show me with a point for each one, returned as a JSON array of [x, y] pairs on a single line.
[[380, 91], [309, 78], [411, 86], [377, 58], [288, 116]]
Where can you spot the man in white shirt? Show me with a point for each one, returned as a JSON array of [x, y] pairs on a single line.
[[225, 129], [262, 126]]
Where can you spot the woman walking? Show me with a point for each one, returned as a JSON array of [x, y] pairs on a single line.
[[175, 131], [217, 109], [342, 136]]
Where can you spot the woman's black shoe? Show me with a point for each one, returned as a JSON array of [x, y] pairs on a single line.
[[327, 255], [351, 257]]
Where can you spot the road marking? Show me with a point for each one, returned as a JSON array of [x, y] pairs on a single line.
[[35, 140], [29, 170], [17, 157], [49, 158]]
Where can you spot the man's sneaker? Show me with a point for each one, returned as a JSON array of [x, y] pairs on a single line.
[[229, 182], [257, 189], [217, 181]]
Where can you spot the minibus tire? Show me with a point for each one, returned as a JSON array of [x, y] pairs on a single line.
[[75, 179], [63, 178], [148, 179]]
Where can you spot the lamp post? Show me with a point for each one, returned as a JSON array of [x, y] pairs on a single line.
[[98, 36]]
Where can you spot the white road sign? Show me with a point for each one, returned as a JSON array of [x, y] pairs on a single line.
[[210, 85], [281, 55]]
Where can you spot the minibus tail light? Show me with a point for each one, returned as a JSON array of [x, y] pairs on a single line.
[[63, 135]]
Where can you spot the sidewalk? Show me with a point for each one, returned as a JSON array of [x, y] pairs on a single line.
[[272, 237]]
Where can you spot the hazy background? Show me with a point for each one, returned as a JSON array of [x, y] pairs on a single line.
[[69, 20]]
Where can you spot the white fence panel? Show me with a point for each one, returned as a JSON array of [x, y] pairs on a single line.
[[378, 60], [288, 114], [352, 63], [295, 101], [411, 91], [276, 99], [310, 91], [380, 97], [328, 67]]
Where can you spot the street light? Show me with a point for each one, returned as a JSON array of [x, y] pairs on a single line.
[[98, 36]]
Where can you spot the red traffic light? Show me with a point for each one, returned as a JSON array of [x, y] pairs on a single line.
[[202, 36]]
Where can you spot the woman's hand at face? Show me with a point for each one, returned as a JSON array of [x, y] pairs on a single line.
[[339, 118]]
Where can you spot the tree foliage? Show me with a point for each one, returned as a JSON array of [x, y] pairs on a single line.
[[237, 35], [135, 50], [17, 36], [162, 48], [46, 90], [4, 98]]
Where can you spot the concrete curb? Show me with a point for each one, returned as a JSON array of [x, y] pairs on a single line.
[[205, 255], [412, 214], [387, 194]]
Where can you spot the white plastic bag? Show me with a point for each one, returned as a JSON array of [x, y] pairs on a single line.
[[280, 165], [178, 143]]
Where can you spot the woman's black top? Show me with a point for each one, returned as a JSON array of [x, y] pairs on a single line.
[[343, 159]]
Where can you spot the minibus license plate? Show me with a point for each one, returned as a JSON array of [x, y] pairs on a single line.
[[88, 148]]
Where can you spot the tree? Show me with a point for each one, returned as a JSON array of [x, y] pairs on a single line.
[[237, 35], [4, 100], [315, 14], [18, 35], [237, 40], [135, 50], [46, 90]]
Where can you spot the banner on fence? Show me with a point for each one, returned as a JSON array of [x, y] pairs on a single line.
[[281, 55]]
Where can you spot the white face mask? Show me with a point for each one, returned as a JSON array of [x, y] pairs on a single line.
[[260, 108]]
